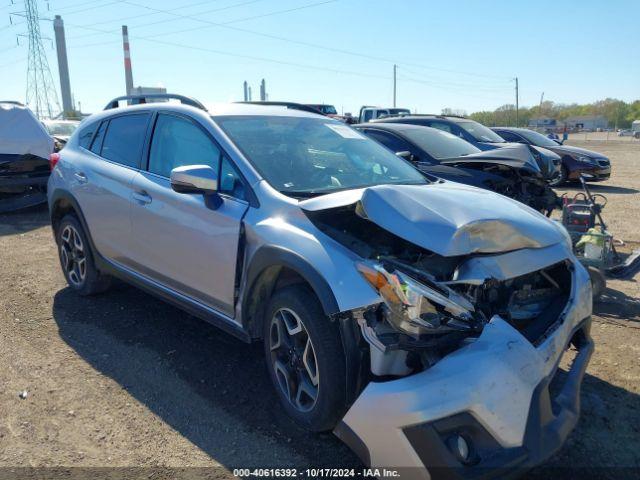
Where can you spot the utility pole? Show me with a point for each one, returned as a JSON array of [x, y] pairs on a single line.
[[540, 108], [517, 104], [395, 83], [246, 91]]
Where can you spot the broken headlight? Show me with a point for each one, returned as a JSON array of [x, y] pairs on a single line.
[[416, 308]]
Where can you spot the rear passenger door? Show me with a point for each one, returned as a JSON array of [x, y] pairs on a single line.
[[102, 182], [184, 241]]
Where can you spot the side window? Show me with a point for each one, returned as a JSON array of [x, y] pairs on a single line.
[[367, 115], [441, 126], [230, 181], [177, 142], [85, 135], [96, 146], [124, 139]]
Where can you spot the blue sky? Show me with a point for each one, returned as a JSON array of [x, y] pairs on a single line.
[[459, 54]]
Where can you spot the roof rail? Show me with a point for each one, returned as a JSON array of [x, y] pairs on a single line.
[[290, 105], [140, 99]]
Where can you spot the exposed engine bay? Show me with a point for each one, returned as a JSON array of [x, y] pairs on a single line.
[[427, 312]]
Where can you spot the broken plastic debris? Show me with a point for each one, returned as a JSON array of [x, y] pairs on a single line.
[[23, 394]]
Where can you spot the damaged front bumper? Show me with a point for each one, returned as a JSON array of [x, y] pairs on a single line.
[[494, 393]]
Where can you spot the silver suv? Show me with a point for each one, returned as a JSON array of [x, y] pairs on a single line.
[[423, 321]]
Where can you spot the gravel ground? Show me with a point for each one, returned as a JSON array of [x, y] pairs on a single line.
[[125, 380]]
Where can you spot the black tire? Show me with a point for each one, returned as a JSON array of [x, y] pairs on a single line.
[[561, 179], [330, 402], [87, 280]]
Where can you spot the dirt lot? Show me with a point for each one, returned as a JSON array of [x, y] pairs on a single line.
[[124, 380]]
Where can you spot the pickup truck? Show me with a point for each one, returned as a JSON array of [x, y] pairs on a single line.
[[368, 113]]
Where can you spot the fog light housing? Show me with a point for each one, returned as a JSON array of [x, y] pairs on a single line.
[[462, 448]]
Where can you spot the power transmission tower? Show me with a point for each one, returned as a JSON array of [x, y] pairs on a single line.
[[42, 97]]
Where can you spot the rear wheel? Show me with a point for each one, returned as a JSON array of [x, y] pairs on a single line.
[[305, 359], [76, 258]]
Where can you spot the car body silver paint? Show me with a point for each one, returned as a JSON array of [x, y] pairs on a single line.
[[103, 189], [503, 266], [448, 218], [492, 378], [281, 223], [180, 241]]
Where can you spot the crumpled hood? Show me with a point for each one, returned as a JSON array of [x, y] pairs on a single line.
[[448, 218]]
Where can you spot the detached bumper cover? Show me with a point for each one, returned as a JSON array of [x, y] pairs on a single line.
[[495, 391]]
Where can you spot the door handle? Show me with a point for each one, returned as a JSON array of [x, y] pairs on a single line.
[[81, 177], [143, 198]]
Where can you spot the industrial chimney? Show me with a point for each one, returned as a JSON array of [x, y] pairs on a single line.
[[128, 75], [263, 91], [63, 67]]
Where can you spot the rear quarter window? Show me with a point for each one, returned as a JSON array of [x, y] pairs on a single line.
[[86, 134]]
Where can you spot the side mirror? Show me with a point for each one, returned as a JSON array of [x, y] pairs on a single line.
[[194, 179], [405, 155]]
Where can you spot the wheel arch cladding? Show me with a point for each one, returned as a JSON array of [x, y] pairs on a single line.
[[272, 267], [63, 203]]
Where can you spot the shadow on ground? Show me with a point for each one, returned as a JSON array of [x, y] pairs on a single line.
[[190, 374], [617, 305], [24, 220], [600, 188], [186, 372]]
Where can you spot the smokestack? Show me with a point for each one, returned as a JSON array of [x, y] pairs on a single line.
[[63, 66], [249, 93], [128, 75], [246, 91], [263, 91]]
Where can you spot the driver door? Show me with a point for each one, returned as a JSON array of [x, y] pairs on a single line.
[[180, 240]]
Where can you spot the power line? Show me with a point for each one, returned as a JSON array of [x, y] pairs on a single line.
[[227, 25], [171, 20]]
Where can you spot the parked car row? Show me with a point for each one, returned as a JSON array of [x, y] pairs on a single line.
[[419, 319]]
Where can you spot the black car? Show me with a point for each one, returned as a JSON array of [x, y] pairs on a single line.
[[480, 136], [576, 161], [508, 171]]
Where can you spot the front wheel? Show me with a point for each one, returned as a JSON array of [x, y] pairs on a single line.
[[560, 179], [305, 359]]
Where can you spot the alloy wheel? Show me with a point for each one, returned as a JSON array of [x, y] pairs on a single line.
[[72, 255], [294, 360]]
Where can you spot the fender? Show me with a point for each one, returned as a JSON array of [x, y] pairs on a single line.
[[63, 195], [271, 256]]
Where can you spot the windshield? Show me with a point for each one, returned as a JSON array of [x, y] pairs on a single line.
[[61, 128], [480, 132], [537, 138], [302, 156], [438, 143]]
